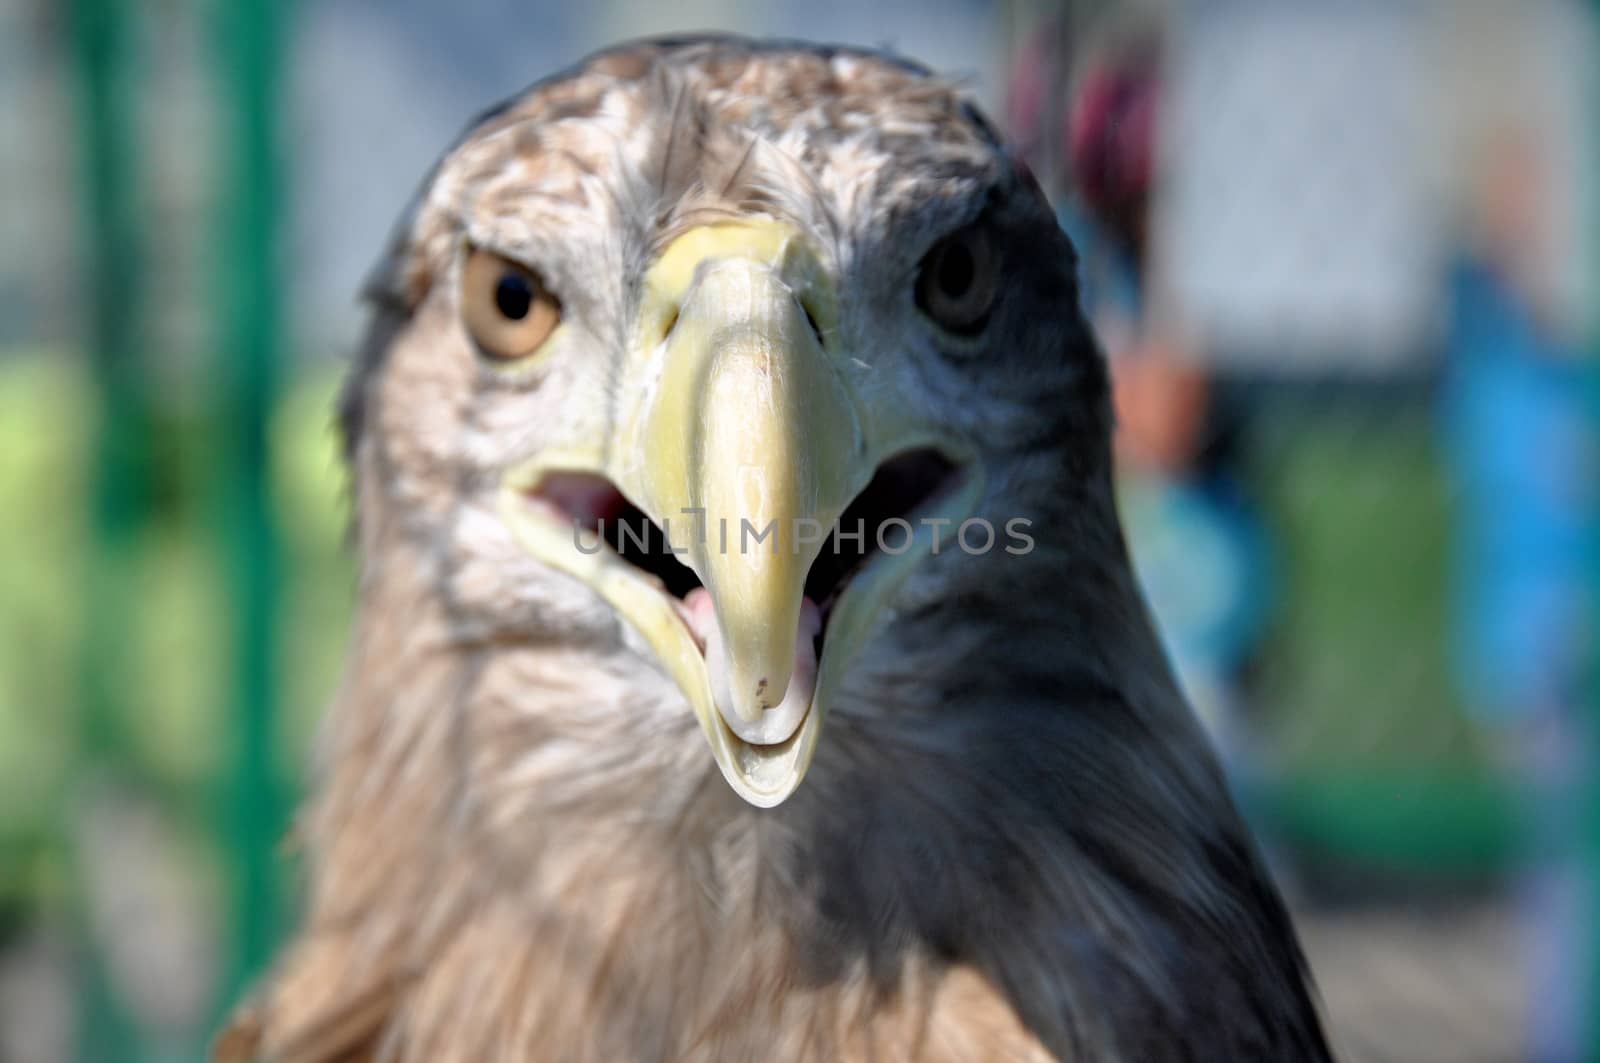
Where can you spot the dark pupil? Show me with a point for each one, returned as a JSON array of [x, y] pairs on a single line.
[[956, 270], [513, 295]]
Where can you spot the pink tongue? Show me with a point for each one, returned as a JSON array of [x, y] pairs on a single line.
[[783, 719], [584, 498]]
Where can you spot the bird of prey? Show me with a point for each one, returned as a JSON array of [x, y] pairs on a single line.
[[747, 662]]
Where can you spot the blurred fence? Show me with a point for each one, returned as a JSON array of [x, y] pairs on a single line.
[[174, 595], [239, 802]]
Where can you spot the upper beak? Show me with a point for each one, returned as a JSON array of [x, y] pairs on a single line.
[[749, 444], [736, 432]]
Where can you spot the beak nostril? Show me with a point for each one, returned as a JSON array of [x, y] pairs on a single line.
[[811, 319], [670, 323]]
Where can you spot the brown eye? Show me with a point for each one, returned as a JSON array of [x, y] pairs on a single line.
[[506, 306], [956, 284]]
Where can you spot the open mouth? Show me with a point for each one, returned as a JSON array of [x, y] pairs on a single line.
[[881, 519], [582, 523], [737, 402]]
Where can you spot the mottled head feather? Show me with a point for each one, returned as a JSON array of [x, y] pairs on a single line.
[[652, 138]]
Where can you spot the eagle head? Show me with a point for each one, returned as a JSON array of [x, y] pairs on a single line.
[[761, 369], [747, 662]]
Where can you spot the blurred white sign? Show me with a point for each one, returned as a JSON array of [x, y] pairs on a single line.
[[1322, 166]]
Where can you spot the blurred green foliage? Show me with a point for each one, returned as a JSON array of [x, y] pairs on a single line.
[[1359, 661], [178, 635], [1370, 756]]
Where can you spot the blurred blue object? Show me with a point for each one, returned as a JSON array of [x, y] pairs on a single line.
[[1521, 439], [1522, 446]]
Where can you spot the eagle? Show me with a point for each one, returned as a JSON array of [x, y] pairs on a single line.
[[747, 662]]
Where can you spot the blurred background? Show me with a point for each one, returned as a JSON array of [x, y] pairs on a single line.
[[1343, 258]]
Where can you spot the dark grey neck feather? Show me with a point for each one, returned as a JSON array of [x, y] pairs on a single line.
[[1049, 811]]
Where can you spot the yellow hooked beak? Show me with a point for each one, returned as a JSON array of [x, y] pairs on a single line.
[[737, 431]]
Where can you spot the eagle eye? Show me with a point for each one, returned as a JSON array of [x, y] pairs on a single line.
[[956, 281], [506, 307]]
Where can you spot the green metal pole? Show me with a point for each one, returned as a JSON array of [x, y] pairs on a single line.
[[248, 51], [119, 484], [112, 291]]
